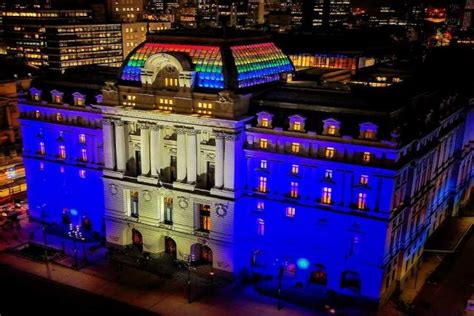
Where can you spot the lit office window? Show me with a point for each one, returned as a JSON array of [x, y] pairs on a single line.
[[361, 201], [82, 138], [290, 211], [328, 174], [262, 184], [62, 152], [263, 143], [260, 227], [329, 152], [332, 130], [366, 156], [295, 169], [364, 179], [294, 189], [83, 154], [295, 148], [326, 196], [42, 149]]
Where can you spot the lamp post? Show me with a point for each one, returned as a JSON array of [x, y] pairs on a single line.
[[43, 222], [76, 234], [188, 261]]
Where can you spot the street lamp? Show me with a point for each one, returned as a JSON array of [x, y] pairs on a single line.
[[76, 234], [188, 261], [43, 221]]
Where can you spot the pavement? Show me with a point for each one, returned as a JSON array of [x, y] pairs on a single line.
[[141, 289]]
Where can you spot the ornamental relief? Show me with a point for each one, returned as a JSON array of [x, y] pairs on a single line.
[[183, 202]]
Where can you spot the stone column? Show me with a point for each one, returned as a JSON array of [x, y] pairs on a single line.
[[191, 161], [219, 162], [155, 150], [229, 162], [109, 148], [120, 145], [145, 148], [181, 154]]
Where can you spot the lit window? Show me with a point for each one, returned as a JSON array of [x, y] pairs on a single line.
[[369, 134], [328, 174], [263, 143], [366, 156], [204, 108], [295, 169], [294, 189], [79, 101], [263, 164], [82, 173], [205, 217], [290, 211], [168, 210], [260, 205], [171, 82], [83, 154], [59, 117], [361, 201], [134, 204], [37, 114], [262, 184], [260, 227], [332, 130], [326, 197], [62, 152], [265, 122], [364, 179], [82, 138], [295, 148], [41, 166], [329, 152], [57, 99], [297, 126], [36, 97], [42, 149]]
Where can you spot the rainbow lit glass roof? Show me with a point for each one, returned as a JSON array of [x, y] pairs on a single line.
[[259, 63], [206, 59], [247, 65]]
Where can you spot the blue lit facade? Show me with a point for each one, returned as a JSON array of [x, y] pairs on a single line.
[[63, 160]]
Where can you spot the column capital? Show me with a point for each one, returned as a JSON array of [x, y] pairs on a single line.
[[192, 132], [107, 121], [143, 125], [180, 130], [155, 127], [119, 123]]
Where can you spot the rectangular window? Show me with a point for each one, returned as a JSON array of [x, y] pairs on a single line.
[[263, 164], [265, 122], [295, 148], [260, 227], [263, 143], [369, 134], [59, 117], [83, 154], [297, 126], [361, 200], [332, 130], [328, 174], [295, 169], [364, 179], [168, 210], [329, 152], [205, 217], [82, 173], [290, 211], [260, 205], [326, 196], [294, 189], [62, 152], [204, 108], [82, 138], [134, 204], [366, 156], [42, 150], [37, 114], [262, 184]]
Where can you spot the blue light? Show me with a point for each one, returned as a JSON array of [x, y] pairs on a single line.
[[303, 263], [73, 212]]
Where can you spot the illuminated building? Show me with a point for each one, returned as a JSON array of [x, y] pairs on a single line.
[[208, 153], [126, 10], [170, 176], [134, 34], [61, 39], [325, 13], [62, 152], [468, 16]]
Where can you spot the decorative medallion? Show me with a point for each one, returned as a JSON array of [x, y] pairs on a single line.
[[147, 196], [183, 202], [113, 189], [221, 210]]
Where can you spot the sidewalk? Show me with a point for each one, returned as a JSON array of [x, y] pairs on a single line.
[[165, 296]]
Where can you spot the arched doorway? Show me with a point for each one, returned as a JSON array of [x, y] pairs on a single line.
[[201, 254], [170, 247], [137, 239], [318, 275]]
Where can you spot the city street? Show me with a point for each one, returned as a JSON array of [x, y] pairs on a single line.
[[450, 295]]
